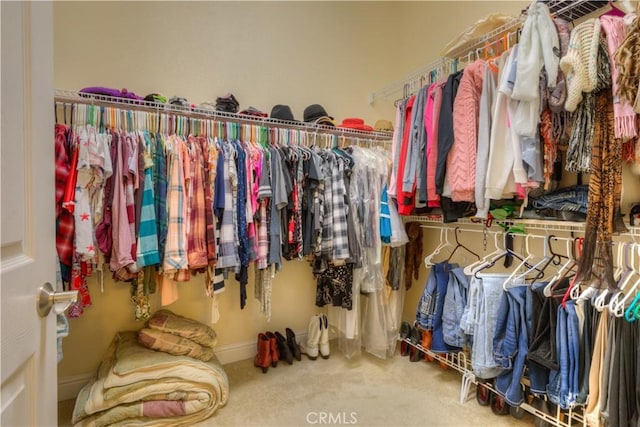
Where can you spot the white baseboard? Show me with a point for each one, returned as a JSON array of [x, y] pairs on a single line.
[[69, 387], [241, 351]]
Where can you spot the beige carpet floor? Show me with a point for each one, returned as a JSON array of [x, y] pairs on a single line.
[[337, 391]]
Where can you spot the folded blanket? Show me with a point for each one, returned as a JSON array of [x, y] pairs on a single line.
[[138, 386], [166, 321], [173, 344]]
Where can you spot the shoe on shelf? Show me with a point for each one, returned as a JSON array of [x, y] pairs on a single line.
[[283, 348], [293, 344], [273, 347], [325, 351], [427, 337], [405, 348], [405, 330], [310, 348], [415, 354], [263, 358]]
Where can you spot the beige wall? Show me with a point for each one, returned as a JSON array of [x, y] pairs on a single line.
[[296, 53]]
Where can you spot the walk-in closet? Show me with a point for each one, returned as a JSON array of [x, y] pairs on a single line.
[[300, 213]]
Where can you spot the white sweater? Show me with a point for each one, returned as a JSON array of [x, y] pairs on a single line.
[[539, 45], [504, 167]]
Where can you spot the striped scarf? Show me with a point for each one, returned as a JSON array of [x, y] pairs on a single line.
[[582, 131]]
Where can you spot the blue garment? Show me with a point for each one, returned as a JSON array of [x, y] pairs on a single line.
[[481, 322], [510, 344], [571, 199], [218, 194], [564, 385], [385, 217], [455, 301], [431, 307]]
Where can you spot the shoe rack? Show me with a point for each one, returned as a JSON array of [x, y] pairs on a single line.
[[460, 362]]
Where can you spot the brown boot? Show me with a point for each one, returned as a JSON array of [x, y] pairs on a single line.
[[273, 345], [426, 343], [263, 358]]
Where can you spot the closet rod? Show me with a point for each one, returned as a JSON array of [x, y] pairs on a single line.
[[70, 97], [569, 10]]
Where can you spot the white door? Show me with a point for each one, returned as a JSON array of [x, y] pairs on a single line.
[[27, 257]]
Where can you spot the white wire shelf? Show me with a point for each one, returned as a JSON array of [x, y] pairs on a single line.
[[529, 224], [569, 10], [72, 97]]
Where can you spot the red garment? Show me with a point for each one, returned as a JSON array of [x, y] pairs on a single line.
[[406, 201], [66, 175]]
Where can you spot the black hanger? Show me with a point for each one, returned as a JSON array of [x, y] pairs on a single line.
[[556, 258], [460, 245], [508, 252]]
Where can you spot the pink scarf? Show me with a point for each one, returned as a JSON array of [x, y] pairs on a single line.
[[623, 114]]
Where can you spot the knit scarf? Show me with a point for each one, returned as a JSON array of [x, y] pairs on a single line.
[[623, 114], [605, 186], [582, 131], [627, 59]]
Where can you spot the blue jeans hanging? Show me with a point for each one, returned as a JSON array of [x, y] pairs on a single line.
[[510, 344]]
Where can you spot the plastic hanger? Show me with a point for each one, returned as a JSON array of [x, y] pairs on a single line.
[[512, 280], [470, 269], [444, 242], [505, 253], [545, 261], [617, 302], [555, 258], [460, 246], [563, 272], [601, 300]]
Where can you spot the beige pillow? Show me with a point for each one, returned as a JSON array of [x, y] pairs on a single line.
[[173, 344], [167, 321]]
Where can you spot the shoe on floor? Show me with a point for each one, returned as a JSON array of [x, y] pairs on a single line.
[[310, 348], [273, 346], [325, 351], [293, 344], [263, 358], [284, 352]]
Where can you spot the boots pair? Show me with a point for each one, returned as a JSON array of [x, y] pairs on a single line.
[[274, 346], [318, 338]]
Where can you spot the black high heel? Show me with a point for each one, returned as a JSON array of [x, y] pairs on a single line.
[[294, 347]]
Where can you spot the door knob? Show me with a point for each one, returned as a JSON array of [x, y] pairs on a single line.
[[48, 297]]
